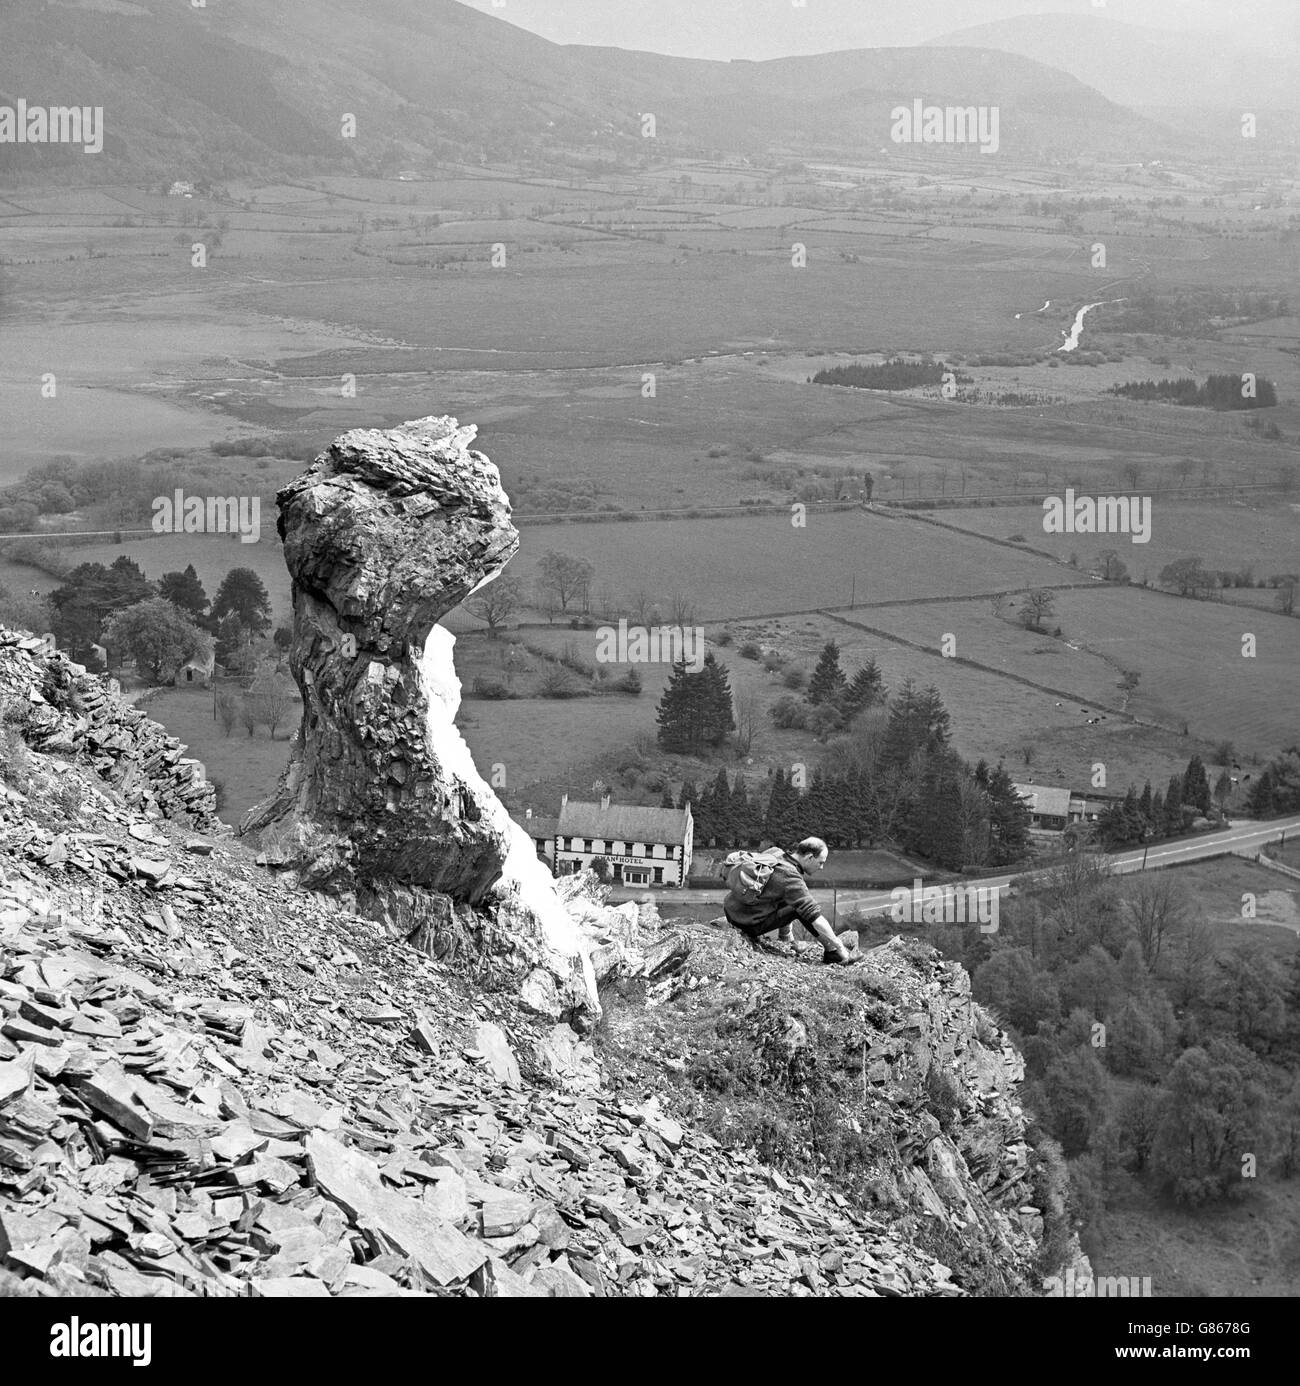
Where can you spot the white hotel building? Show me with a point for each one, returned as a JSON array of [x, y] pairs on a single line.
[[643, 846]]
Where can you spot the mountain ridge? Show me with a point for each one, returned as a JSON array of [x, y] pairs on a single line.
[[264, 92]]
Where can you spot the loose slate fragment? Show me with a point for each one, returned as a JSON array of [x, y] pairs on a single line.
[[352, 1181], [111, 1092]]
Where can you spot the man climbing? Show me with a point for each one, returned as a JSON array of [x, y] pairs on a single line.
[[770, 891]]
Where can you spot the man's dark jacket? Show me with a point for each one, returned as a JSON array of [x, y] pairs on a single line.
[[787, 886]]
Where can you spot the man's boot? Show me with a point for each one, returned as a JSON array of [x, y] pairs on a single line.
[[835, 951]]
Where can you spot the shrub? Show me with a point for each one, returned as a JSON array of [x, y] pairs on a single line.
[[723, 638], [14, 760], [492, 689], [629, 683], [789, 713], [773, 661], [794, 678], [66, 796], [558, 683], [749, 650], [942, 1096], [14, 712]]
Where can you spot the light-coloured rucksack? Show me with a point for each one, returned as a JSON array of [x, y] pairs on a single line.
[[746, 873]]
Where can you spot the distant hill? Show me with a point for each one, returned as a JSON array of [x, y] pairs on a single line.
[[1148, 69], [247, 87]]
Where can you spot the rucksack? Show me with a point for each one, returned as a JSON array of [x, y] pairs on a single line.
[[746, 873]]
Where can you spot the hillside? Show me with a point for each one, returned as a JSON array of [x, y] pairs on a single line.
[[1146, 68], [433, 1079], [243, 88]]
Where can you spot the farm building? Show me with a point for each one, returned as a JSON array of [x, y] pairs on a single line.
[[1052, 809], [196, 672], [1049, 807], [643, 846]]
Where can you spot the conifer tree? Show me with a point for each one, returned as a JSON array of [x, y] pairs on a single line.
[[185, 591], [746, 821], [900, 739], [1008, 819], [1135, 820], [695, 710], [1173, 824], [862, 815], [679, 714], [816, 806], [1260, 801], [1196, 786], [935, 719], [939, 831], [719, 719], [828, 682], [717, 799], [865, 689], [779, 822]]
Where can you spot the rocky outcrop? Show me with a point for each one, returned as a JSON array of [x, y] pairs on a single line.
[[385, 533], [215, 1083], [56, 706], [240, 1088]]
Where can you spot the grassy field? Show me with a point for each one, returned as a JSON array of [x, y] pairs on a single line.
[[1190, 656], [732, 569], [1225, 535], [1002, 643], [248, 767], [1217, 886], [319, 279], [993, 717]]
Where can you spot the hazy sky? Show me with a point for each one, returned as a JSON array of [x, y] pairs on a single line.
[[776, 28]]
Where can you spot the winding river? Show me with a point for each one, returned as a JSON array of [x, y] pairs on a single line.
[[1072, 340]]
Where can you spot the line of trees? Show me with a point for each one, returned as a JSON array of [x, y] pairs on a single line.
[[892, 776], [1217, 392], [160, 626], [1277, 791], [894, 374], [1139, 818]]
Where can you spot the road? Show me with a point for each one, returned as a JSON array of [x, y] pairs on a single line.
[[1244, 836]]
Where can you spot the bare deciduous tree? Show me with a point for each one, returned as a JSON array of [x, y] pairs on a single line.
[[272, 696], [567, 578], [640, 603], [227, 712], [497, 602], [1111, 567], [1038, 605], [748, 715], [1158, 906], [682, 610]]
